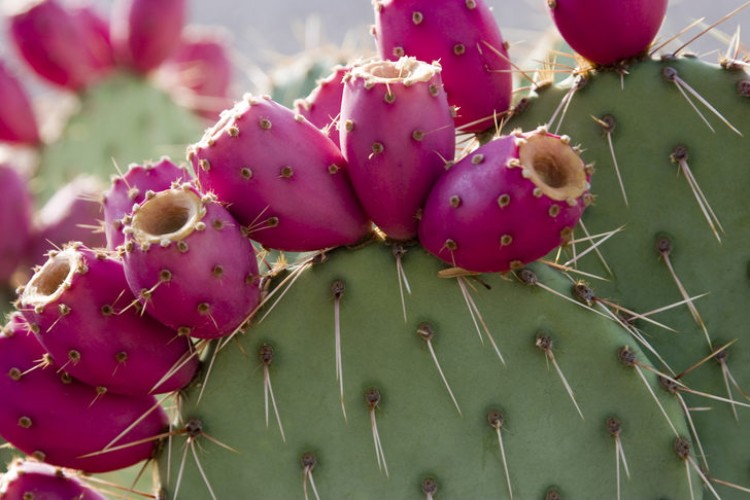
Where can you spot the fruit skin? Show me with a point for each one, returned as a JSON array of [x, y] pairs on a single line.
[[323, 105], [146, 32], [199, 72], [15, 220], [54, 43], [507, 203], [476, 67], [98, 39], [81, 311], [26, 479], [280, 177], [397, 135], [614, 30], [56, 419], [131, 188], [18, 123], [190, 264]]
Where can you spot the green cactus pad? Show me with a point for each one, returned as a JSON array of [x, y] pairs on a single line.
[[424, 438], [123, 120], [652, 118]]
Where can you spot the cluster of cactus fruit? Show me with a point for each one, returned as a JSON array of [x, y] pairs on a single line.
[[413, 285]]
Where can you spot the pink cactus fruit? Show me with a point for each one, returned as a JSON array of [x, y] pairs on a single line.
[[31, 480], [53, 42], [465, 38], [98, 39], [146, 32], [190, 263], [323, 106], [73, 213], [508, 203], [397, 135], [280, 177], [608, 31], [18, 123], [131, 188], [58, 420], [15, 220], [82, 311], [198, 74]]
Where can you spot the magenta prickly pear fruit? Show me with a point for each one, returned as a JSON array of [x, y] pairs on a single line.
[[190, 264], [131, 188], [29, 480], [397, 134], [476, 68], [198, 74], [58, 420], [280, 177], [323, 106], [508, 203], [53, 42], [98, 39], [72, 214], [15, 220], [80, 306], [146, 32], [608, 31], [17, 120]]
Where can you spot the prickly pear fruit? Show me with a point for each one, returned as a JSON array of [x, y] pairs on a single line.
[[17, 121], [190, 264], [509, 202], [97, 33], [59, 420], [71, 214], [198, 74], [280, 176], [81, 309], [15, 220], [608, 31], [146, 32], [323, 106], [29, 480], [53, 42], [476, 67], [131, 188], [397, 135]]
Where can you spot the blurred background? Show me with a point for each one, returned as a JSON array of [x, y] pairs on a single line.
[[266, 34]]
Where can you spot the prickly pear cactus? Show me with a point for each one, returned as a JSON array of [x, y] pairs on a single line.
[[123, 120], [671, 161], [341, 388]]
